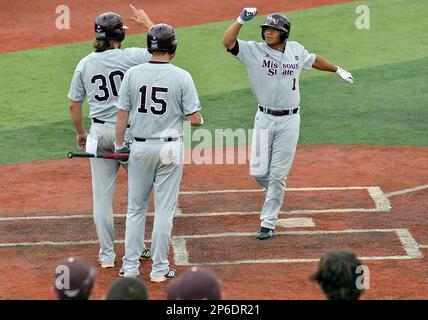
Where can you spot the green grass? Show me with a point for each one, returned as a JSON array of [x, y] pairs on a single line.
[[385, 106]]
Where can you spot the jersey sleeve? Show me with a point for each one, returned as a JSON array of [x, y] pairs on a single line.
[[124, 99], [307, 59], [138, 55], [77, 90], [189, 96], [244, 51]]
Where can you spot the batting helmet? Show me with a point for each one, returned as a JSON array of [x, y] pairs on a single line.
[[277, 21], [161, 37], [109, 26]]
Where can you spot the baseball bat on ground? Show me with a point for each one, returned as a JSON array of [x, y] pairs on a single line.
[[113, 156]]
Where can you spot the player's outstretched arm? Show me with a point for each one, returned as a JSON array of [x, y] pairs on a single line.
[[323, 64], [231, 34], [77, 120], [141, 18]]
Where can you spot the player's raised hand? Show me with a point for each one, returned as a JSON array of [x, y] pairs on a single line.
[[345, 75], [141, 18], [246, 15]]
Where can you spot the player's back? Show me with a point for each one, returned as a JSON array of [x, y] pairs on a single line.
[[101, 74], [163, 92]]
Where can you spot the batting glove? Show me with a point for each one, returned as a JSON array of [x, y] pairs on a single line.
[[121, 148], [345, 75], [246, 15]]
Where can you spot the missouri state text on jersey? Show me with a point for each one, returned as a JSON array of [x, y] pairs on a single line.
[[277, 87]]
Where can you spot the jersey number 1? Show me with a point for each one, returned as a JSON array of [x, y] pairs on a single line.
[[155, 99]]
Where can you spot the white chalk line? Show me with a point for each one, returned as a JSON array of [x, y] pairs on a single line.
[[404, 191], [381, 203], [181, 255], [261, 190], [296, 223], [58, 244], [179, 214]]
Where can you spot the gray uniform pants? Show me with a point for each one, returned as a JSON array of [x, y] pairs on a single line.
[[272, 152], [104, 174], [152, 164]]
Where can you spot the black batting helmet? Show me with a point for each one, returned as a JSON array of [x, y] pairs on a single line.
[[277, 21], [161, 37], [109, 26]]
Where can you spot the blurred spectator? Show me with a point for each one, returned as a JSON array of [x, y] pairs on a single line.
[[74, 279], [127, 289], [337, 275], [197, 283]]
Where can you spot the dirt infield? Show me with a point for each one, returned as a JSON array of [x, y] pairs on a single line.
[[32, 24], [363, 198]]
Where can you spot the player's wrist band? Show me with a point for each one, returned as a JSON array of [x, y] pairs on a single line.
[[240, 20]]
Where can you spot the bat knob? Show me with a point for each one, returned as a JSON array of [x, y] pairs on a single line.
[[70, 155]]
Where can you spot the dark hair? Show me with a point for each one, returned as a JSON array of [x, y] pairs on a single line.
[[337, 275], [127, 289], [103, 45]]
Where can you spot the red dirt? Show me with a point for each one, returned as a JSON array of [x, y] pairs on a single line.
[[32, 24], [64, 188]]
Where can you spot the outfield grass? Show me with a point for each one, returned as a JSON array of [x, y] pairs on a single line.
[[385, 106]]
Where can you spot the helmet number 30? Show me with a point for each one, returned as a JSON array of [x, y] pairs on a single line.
[[160, 110]]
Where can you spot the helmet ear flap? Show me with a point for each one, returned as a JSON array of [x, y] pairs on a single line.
[[173, 47]]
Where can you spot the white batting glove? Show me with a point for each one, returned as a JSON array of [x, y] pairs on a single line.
[[345, 75], [246, 15]]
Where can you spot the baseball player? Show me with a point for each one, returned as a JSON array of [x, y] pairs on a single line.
[[98, 77], [154, 97], [274, 68]]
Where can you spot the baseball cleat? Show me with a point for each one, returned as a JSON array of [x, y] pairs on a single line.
[[146, 254], [107, 265], [264, 233], [171, 274], [123, 274]]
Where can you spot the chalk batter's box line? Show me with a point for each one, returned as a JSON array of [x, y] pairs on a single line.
[[380, 199], [181, 255]]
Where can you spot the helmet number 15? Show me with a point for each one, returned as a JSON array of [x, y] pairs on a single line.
[[160, 110]]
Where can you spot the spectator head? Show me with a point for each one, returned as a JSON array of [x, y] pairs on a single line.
[[127, 289], [197, 283], [337, 275], [74, 279]]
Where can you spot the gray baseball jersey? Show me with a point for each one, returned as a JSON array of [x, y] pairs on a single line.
[[274, 75], [274, 79], [157, 95], [98, 77]]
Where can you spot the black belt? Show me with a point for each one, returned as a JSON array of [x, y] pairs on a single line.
[[102, 122], [278, 113], [169, 139]]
